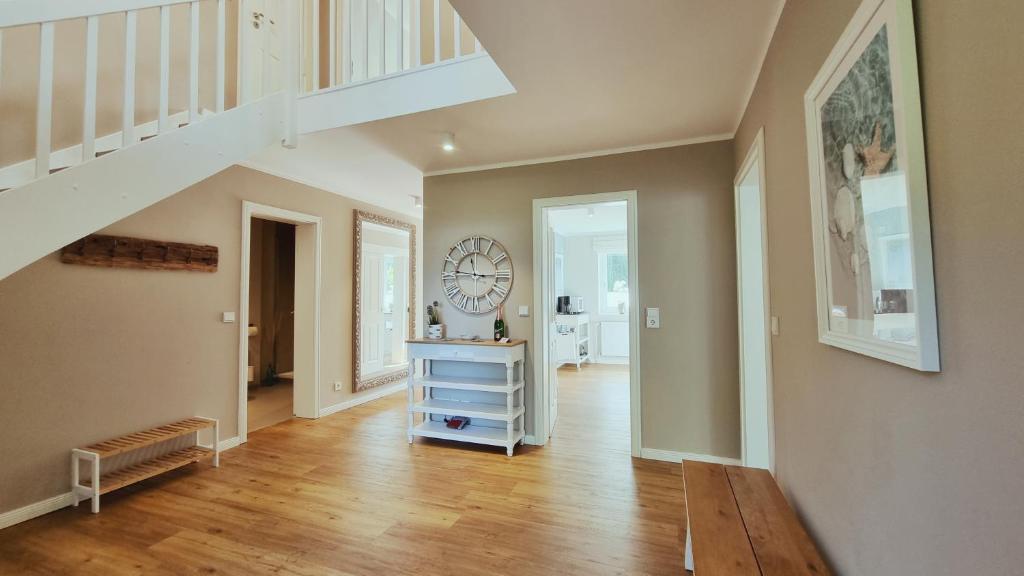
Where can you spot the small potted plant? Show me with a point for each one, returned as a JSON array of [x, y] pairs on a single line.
[[435, 330]]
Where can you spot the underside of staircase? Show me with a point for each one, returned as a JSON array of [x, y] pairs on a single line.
[[61, 196]]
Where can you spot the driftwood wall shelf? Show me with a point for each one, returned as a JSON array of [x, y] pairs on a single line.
[[121, 252]]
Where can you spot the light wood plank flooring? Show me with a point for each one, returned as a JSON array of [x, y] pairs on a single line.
[[269, 405], [347, 495]]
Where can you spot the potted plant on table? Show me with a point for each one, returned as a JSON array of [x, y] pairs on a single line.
[[435, 330]]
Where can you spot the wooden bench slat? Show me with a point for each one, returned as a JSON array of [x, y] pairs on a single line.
[[141, 439], [716, 527], [780, 543]]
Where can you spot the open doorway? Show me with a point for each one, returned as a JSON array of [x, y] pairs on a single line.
[[271, 369], [279, 331], [754, 310], [588, 315]]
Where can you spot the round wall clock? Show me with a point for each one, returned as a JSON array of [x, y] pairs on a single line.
[[476, 275]]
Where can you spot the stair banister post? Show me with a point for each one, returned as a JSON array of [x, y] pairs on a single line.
[[291, 74]]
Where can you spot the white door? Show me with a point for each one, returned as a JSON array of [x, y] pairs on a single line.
[[755, 344], [400, 309], [372, 320], [552, 335], [263, 47]]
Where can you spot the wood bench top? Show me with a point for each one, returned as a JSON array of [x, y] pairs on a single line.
[[129, 442], [740, 523]]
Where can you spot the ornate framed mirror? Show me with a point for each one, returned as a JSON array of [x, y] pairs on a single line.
[[384, 299]]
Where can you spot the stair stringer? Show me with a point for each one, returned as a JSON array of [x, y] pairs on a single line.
[[52, 212], [447, 83]]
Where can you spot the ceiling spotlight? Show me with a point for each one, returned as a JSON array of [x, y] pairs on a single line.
[[590, 212], [448, 142], [417, 201]]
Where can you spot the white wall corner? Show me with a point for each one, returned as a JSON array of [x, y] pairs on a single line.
[[376, 394], [672, 456]]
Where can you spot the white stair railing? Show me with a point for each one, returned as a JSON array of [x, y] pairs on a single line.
[[366, 40], [45, 14], [372, 39]]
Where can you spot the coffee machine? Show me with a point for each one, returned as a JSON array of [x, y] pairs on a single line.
[[562, 305]]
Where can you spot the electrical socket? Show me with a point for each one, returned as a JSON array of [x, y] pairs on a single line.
[[337, 386]]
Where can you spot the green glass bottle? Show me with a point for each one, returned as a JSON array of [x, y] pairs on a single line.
[[499, 325]]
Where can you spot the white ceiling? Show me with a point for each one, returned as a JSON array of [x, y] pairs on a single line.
[[607, 218], [345, 162], [595, 75], [591, 76]]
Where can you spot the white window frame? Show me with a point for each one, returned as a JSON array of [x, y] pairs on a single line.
[[602, 249]]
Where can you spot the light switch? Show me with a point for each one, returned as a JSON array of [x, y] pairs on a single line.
[[524, 310], [775, 325], [654, 318], [228, 317]]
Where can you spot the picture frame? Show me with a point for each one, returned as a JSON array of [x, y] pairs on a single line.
[[875, 287]]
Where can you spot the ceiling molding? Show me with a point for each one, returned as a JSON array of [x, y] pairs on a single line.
[[760, 66], [582, 155]]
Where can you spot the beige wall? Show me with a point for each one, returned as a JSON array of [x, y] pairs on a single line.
[[897, 471], [686, 262], [89, 353]]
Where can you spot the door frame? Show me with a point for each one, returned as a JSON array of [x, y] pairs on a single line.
[[755, 156], [544, 307], [308, 274]]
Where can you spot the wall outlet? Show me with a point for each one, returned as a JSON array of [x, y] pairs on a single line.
[[654, 317], [337, 386]]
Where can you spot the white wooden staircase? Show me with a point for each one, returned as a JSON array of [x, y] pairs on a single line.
[[374, 66]]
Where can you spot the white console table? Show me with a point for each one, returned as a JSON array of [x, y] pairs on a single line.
[[482, 381]]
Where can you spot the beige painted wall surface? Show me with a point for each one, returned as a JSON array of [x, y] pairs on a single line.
[[89, 353], [897, 471], [686, 262]]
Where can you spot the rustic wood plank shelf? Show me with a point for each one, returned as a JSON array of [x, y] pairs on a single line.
[[107, 481]]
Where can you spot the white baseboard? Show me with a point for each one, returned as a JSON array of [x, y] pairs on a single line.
[[34, 510], [670, 456], [620, 360], [64, 500], [226, 444], [369, 397]]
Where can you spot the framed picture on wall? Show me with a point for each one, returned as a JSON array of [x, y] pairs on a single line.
[[869, 192]]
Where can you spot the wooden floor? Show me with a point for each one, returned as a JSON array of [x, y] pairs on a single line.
[[269, 405], [347, 495]]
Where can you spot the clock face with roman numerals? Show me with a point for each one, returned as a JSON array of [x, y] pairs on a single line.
[[477, 275]]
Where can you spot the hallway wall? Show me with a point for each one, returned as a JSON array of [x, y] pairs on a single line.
[[687, 266], [89, 353], [897, 471]]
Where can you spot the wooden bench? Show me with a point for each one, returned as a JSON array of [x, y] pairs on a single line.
[[108, 480], [738, 523]]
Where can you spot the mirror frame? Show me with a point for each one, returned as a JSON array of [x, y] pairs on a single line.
[[361, 217]]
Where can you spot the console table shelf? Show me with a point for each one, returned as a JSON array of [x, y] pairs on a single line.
[[482, 381]]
